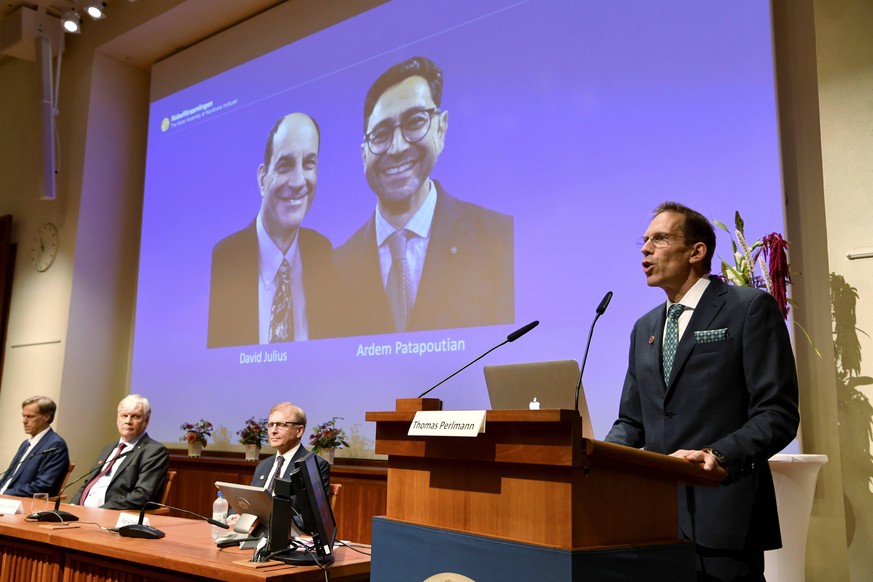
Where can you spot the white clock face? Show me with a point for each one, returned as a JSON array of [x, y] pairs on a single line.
[[45, 247]]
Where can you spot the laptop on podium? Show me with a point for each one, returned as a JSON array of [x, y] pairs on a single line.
[[535, 386]]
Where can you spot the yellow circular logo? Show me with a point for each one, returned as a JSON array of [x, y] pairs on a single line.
[[165, 124]]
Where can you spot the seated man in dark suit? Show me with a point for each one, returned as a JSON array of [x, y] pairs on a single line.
[[286, 424], [41, 463], [132, 470]]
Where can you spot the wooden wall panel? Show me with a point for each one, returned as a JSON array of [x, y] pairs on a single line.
[[19, 562]]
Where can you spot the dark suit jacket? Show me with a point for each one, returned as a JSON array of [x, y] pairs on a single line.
[[467, 279], [737, 395], [233, 289], [39, 473], [139, 477]]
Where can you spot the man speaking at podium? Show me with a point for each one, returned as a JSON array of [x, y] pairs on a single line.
[[711, 378]]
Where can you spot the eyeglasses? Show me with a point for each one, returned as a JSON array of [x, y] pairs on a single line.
[[659, 241], [413, 128], [283, 425]]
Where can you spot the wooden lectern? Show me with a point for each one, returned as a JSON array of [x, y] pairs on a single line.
[[531, 478]]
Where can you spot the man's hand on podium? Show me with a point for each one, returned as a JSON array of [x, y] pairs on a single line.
[[710, 459]]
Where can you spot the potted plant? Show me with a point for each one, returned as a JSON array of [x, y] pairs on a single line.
[[195, 435], [326, 438], [253, 435]]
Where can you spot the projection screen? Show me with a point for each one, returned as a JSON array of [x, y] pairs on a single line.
[[565, 123]]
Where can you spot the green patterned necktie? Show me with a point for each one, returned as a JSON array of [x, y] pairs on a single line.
[[671, 338]]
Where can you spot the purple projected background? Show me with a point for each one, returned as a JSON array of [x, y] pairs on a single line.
[[576, 118]]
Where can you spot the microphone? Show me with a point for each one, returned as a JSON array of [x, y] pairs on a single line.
[[510, 338], [520, 332], [600, 310], [139, 530], [26, 459], [57, 514]]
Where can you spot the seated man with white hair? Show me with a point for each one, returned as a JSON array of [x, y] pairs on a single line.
[[131, 471]]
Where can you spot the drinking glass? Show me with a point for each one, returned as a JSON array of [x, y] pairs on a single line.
[[40, 502]]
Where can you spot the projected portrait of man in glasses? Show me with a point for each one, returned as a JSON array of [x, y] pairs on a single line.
[[269, 280], [424, 259]]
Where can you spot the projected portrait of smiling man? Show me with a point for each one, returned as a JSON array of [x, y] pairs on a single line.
[[424, 259], [269, 280]]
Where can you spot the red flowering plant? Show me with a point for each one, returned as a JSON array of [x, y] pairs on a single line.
[[197, 432], [769, 254], [254, 432], [327, 436]]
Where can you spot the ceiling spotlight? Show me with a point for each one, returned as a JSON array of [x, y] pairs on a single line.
[[96, 10], [71, 22]]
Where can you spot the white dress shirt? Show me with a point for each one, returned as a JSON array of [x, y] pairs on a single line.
[[690, 301], [97, 493]]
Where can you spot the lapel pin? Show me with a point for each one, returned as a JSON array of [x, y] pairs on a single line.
[[651, 339]]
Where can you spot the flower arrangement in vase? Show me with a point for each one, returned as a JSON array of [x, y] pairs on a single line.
[[253, 435], [326, 438], [769, 255], [195, 435]]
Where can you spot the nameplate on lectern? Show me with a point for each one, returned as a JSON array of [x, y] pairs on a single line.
[[448, 423]]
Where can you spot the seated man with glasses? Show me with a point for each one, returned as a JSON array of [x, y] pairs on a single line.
[[285, 425], [424, 259]]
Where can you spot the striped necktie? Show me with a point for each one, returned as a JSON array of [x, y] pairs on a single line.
[[398, 280], [106, 468], [280, 462]]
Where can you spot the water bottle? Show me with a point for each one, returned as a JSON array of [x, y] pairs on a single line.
[[219, 513]]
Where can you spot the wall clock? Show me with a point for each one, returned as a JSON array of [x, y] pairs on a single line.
[[45, 247]]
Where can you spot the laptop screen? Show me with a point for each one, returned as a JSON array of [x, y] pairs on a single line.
[[537, 385]]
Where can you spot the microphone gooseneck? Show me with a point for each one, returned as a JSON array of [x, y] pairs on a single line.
[[26, 459], [604, 303], [57, 514], [510, 338]]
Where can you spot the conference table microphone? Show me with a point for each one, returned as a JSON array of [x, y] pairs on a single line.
[[140, 530], [600, 310], [510, 338], [26, 459], [57, 514]]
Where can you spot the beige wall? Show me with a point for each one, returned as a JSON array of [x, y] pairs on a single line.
[[84, 303], [844, 41], [825, 78]]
